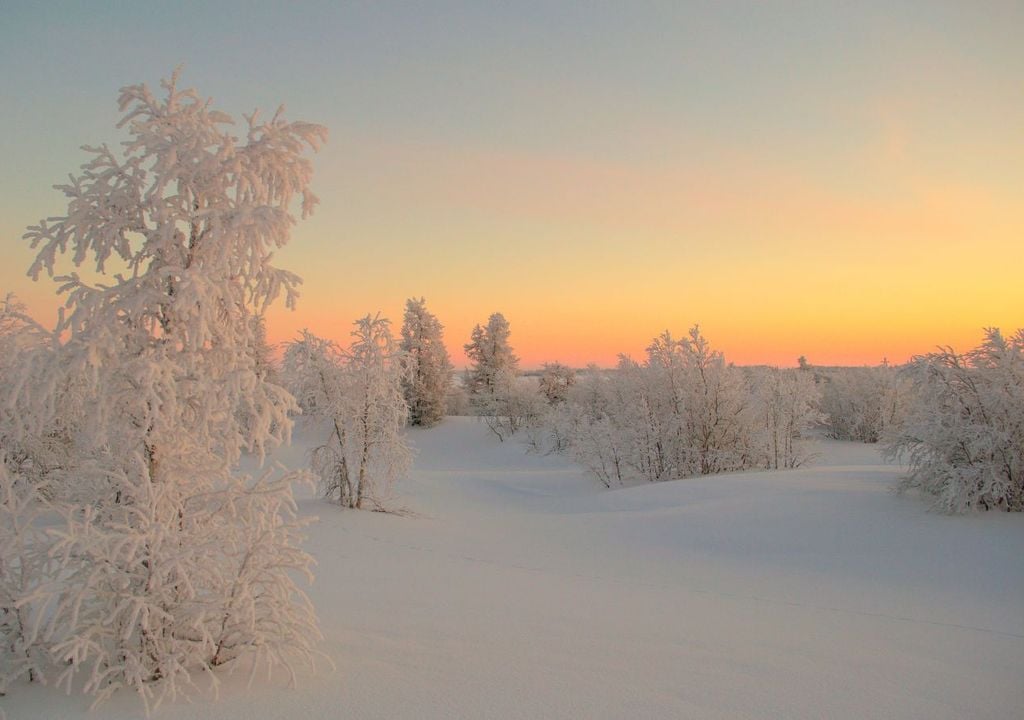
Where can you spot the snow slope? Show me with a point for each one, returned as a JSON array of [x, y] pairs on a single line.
[[518, 588]]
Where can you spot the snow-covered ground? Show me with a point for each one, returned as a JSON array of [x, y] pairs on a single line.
[[519, 588]]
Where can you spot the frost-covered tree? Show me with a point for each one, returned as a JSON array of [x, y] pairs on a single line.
[[787, 405], [429, 376], [861, 403], [556, 380], [27, 463], [28, 577], [588, 426], [34, 453], [493, 364], [262, 350], [172, 562], [312, 372], [357, 394], [374, 372], [491, 379], [538, 405], [684, 411], [963, 434], [704, 405], [517, 405]]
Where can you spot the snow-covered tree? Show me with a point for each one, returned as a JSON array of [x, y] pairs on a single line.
[[556, 380], [172, 562], [33, 452], [493, 364], [787, 405], [312, 372], [682, 412], [963, 434], [539, 404], [861, 403], [429, 376], [357, 394], [374, 372], [588, 426], [262, 350], [28, 576], [516, 405], [704, 403]]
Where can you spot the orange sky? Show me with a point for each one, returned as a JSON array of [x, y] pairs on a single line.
[[840, 182]]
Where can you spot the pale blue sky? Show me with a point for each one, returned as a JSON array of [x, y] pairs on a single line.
[[851, 100]]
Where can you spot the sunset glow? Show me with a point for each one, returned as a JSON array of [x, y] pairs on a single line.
[[597, 177]]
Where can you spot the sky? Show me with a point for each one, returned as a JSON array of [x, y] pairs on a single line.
[[842, 181]]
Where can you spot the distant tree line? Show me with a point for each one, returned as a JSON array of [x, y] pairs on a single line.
[[957, 420]]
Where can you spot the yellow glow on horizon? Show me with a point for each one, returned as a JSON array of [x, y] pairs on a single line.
[[590, 259]]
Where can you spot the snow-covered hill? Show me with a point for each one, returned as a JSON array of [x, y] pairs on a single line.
[[516, 587]]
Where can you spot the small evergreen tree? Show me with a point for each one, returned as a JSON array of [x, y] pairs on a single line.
[[429, 375], [493, 366]]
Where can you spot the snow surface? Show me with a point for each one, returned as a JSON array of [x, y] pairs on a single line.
[[516, 587]]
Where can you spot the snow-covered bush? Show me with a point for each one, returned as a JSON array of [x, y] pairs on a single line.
[[429, 376], [704, 402], [358, 395], [861, 403], [512, 406], [963, 434], [682, 412], [589, 426], [170, 561]]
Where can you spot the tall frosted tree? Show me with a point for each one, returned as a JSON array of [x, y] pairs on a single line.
[[429, 376], [493, 363], [172, 561]]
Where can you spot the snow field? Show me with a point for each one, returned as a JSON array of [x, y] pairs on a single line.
[[516, 587]]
